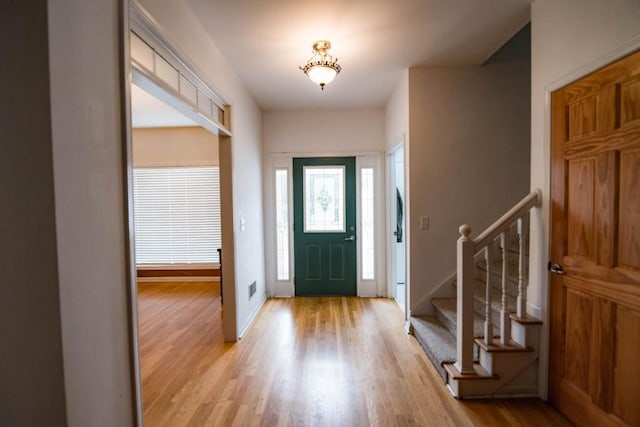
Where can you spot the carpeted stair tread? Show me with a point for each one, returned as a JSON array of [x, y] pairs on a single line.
[[438, 343], [446, 312]]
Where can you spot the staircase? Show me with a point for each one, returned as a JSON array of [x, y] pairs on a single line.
[[487, 349]]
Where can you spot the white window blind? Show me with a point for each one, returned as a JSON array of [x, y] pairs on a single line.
[[177, 215]]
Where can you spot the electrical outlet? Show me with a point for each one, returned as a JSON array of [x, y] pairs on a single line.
[[252, 289], [424, 223]]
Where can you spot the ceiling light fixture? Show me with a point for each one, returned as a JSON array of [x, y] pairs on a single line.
[[321, 68]]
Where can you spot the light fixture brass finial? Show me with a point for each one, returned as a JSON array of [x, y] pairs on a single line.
[[321, 68]]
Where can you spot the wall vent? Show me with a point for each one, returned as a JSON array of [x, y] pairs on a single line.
[[252, 289]]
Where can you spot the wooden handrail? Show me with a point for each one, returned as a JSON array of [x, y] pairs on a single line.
[[467, 248], [533, 199]]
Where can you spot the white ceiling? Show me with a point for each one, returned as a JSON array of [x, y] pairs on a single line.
[[266, 40], [149, 111]]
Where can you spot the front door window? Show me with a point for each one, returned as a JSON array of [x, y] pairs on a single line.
[[324, 199]]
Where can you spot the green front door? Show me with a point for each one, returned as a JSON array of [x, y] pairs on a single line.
[[324, 197]]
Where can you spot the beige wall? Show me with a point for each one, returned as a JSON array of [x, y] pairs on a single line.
[[324, 131], [32, 390], [468, 162], [321, 132], [90, 211], [179, 146], [570, 38], [397, 113]]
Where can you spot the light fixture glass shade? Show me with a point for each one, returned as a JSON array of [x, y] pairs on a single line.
[[321, 75], [321, 68]]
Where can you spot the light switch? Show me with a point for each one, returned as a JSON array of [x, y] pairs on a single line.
[[243, 224], [424, 223]]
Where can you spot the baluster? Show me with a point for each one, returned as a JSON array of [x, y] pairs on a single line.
[[488, 324], [464, 327], [523, 278], [505, 323]]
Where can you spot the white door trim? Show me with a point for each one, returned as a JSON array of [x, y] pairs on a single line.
[[133, 15], [391, 222]]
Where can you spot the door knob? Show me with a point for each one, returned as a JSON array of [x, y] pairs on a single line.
[[555, 268], [352, 237]]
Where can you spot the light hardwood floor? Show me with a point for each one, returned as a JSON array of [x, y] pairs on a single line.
[[309, 361]]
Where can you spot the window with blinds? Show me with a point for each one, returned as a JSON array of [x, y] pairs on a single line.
[[177, 215]]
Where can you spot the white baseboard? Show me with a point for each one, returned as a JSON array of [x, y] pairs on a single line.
[[204, 266], [178, 279], [281, 290], [534, 310], [368, 288], [253, 316]]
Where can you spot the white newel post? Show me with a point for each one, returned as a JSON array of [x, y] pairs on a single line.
[[466, 272]]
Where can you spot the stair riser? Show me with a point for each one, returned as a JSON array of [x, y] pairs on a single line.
[[486, 389], [526, 335], [446, 322], [472, 389], [506, 365], [516, 374]]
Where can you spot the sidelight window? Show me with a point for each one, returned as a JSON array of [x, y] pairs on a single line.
[[282, 225], [367, 228]]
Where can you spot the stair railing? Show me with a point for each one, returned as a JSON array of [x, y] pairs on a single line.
[[468, 248]]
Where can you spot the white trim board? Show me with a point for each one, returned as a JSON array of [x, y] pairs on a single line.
[[252, 317], [178, 279], [390, 211]]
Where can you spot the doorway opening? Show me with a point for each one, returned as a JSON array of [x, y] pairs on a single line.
[[397, 225], [176, 192], [155, 65], [177, 229]]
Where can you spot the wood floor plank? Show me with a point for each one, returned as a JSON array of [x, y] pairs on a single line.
[[313, 361]]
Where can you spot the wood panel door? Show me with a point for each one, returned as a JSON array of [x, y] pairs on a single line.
[[595, 191]]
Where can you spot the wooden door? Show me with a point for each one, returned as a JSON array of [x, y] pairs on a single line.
[[595, 306], [324, 212]]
